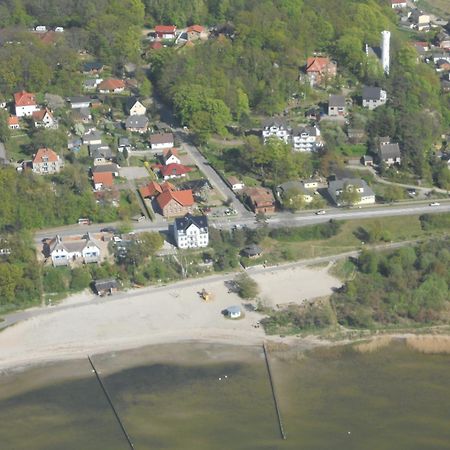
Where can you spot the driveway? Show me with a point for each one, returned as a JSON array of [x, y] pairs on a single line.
[[133, 173]]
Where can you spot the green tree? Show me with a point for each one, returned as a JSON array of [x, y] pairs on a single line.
[[151, 242], [5, 132], [349, 195], [247, 287], [80, 279]]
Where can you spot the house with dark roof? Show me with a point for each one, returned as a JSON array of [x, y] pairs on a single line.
[[105, 287], [306, 138], [372, 97], [134, 107], [292, 189], [136, 124], [100, 153], [337, 187], [252, 251], [92, 67], [92, 137], [160, 141], [276, 127], [191, 231], [388, 152], [79, 101], [63, 253], [336, 105]]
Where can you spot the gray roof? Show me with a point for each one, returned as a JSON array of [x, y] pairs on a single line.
[[136, 122], [336, 100], [131, 102], [252, 250], [124, 142], [389, 151], [311, 131], [183, 223], [90, 83], [92, 65], [275, 121], [104, 168], [109, 283], [233, 310], [100, 151], [92, 135], [371, 93], [288, 185], [338, 185], [79, 99]]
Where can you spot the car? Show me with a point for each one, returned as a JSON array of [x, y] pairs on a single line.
[[435, 204], [108, 230], [320, 212]]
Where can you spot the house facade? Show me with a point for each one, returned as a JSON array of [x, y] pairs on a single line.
[[135, 107], [398, 4], [67, 252], [161, 141], [336, 105], [13, 123], [373, 97], [111, 86], [170, 156], [306, 139], [25, 104], [276, 128], [337, 187], [165, 31], [46, 161], [44, 119], [175, 203], [261, 200], [191, 231], [388, 152], [136, 124], [320, 69], [293, 189]]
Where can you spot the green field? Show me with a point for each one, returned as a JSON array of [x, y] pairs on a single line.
[[439, 7]]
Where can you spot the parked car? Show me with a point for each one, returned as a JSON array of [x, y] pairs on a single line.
[[108, 230], [435, 204], [320, 212]]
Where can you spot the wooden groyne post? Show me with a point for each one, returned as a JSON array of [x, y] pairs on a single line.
[[116, 414], [274, 394]]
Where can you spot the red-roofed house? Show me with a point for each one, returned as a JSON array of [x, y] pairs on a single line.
[[175, 203], [319, 69], [165, 31], [46, 161], [44, 119], [13, 123], [153, 189], [195, 32], [174, 171], [398, 4], [102, 180], [170, 156], [25, 104], [111, 85]]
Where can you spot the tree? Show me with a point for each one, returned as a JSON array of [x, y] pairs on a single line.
[[151, 242], [5, 132], [294, 199], [9, 280], [80, 279], [247, 287], [350, 195]]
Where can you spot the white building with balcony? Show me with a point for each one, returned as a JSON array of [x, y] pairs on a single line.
[[306, 139], [191, 231], [277, 128]]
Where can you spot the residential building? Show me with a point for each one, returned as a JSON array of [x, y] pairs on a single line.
[[44, 119], [46, 161], [100, 153], [191, 231], [292, 189], [337, 187], [170, 156], [261, 200], [252, 251], [79, 101], [311, 183], [111, 86], [372, 97], [195, 32], [135, 108], [419, 20], [105, 168], [81, 115], [25, 104], [153, 189], [320, 69], [276, 127], [136, 124], [306, 138], [64, 253], [336, 105], [92, 67], [102, 180], [174, 171], [398, 4], [92, 137], [235, 184], [175, 203], [13, 123], [388, 153], [161, 141], [165, 31], [124, 144], [91, 83]]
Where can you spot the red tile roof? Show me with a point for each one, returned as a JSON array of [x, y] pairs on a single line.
[[23, 98], [111, 84], [316, 64], [153, 188], [174, 169], [13, 120], [106, 178], [196, 29], [45, 153], [39, 115], [164, 29], [184, 198], [155, 45], [168, 152]]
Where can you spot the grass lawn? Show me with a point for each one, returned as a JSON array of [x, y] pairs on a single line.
[[439, 7], [18, 146]]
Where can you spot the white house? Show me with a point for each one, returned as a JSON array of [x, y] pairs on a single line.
[[276, 128], [233, 312], [161, 141], [79, 101], [372, 97], [191, 231], [398, 4], [46, 161], [388, 152], [63, 253], [170, 156], [306, 139], [44, 119], [135, 107], [337, 187], [25, 104]]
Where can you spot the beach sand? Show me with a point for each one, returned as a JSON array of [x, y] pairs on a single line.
[[152, 316]]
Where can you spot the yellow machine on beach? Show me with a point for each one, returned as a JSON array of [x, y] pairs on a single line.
[[206, 296]]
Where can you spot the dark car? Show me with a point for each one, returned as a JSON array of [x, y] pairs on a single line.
[[109, 230]]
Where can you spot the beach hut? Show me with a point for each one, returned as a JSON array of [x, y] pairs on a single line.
[[105, 287], [233, 312], [252, 251]]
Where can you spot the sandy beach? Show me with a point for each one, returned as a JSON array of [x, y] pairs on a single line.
[[150, 316]]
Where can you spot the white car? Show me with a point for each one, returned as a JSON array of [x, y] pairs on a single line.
[[435, 204], [321, 212]]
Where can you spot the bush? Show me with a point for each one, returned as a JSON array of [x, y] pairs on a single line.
[[313, 232], [431, 222], [247, 287], [81, 278]]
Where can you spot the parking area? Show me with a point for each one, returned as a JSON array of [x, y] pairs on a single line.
[[133, 173]]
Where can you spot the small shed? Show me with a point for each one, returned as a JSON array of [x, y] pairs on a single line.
[[367, 160], [252, 251], [106, 286], [233, 312]]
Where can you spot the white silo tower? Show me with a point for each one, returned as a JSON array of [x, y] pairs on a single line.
[[385, 50]]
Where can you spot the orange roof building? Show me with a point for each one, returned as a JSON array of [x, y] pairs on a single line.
[[46, 161], [175, 203], [102, 180], [153, 189], [165, 31], [25, 103], [320, 69], [13, 123], [111, 85]]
